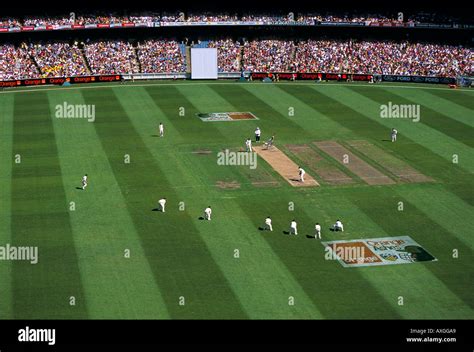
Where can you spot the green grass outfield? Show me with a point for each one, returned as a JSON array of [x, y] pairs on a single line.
[[181, 267]]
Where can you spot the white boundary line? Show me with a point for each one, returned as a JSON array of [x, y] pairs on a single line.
[[312, 84]]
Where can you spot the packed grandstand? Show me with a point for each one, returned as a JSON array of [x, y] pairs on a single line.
[[161, 56], [305, 18], [28, 59]]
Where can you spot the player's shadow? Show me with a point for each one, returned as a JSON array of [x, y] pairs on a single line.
[[286, 232], [260, 228], [295, 179], [201, 218], [309, 236], [79, 188], [155, 209], [385, 140], [155, 135]]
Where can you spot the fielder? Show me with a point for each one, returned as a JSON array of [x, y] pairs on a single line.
[[257, 134], [84, 182], [393, 135], [162, 203], [268, 224], [248, 145], [338, 226], [317, 228], [162, 129], [207, 213], [301, 173], [293, 229]]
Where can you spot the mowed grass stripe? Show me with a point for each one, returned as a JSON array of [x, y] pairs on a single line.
[[6, 161], [435, 114], [115, 287], [177, 255], [323, 166], [155, 117], [420, 156], [460, 98], [386, 162], [440, 110], [236, 132], [445, 209], [440, 142], [171, 103], [421, 290], [206, 100], [142, 104], [271, 118], [262, 280], [331, 287], [455, 273], [283, 97], [262, 288], [42, 290]]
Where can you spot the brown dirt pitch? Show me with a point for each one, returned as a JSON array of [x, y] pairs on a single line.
[[389, 162], [320, 166], [241, 116], [286, 167], [356, 165], [228, 185]]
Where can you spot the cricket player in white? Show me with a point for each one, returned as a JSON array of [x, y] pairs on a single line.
[[207, 213], [393, 135], [293, 229], [162, 203], [84, 182], [301, 173], [162, 129], [338, 226], [268, 224], [257, 134], [248, 145], [317, 228]]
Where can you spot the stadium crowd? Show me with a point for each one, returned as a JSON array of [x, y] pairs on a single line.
[[15, 63], [228, 54], [59, 59], [9, 22], [208, 17], [265, 18], [311, 18], [111, 57], [308, 18], [43, 21], [168, 56], [161, 56], [379, 57], [144, 18], [104, 19], [268, 55]]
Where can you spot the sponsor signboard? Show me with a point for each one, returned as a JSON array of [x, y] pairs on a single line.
[[311, 76], [418, 79], [341, 24], [59, 80], [377, 251], [226, 116]]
